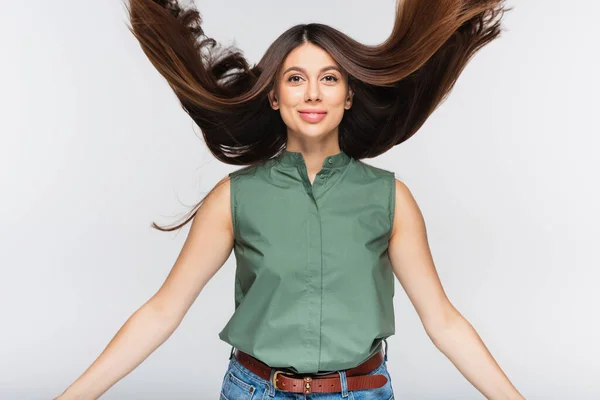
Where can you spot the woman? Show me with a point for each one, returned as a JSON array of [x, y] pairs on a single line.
[[318, 234]]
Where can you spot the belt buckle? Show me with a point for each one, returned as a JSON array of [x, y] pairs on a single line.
[[274, 381]]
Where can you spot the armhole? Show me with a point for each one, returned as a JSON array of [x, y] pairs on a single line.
[[392, 202], [232, 199]]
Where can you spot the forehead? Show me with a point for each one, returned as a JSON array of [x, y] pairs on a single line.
[[308, 56]]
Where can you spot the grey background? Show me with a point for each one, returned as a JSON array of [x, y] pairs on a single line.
[[94, 146]]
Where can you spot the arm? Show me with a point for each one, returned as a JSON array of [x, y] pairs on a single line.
[[449, 331], [207, 247]]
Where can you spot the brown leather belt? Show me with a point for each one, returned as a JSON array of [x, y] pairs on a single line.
[[356, 377]]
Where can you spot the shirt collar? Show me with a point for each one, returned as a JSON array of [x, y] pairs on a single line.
[[294, 158]]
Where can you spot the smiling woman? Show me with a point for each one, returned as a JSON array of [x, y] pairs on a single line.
[[318, 235], [305, 90], [396, 85]]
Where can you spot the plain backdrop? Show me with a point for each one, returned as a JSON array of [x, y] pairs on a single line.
[[94, 146]]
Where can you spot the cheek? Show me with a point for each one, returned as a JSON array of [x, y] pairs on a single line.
[[335, 116], [288, 115], [290, 98], [288, 102], [338, 98]]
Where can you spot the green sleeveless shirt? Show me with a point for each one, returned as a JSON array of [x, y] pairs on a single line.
[[314, 283]]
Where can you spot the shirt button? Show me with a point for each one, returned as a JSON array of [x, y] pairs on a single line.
[[329, 161], [322, 176]]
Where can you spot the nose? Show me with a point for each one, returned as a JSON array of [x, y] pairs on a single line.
[[312, 91]]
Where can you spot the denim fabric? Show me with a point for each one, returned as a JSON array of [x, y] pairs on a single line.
[[239, 383]]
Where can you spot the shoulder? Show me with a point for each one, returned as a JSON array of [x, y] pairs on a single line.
[[374, 172], [221, 189], [217, 201], [403, 196], [243, 179], [244, 171], [383, 179], [406, 210], [248, 180]]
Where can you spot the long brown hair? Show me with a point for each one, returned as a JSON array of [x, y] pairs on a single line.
[[397, 84]]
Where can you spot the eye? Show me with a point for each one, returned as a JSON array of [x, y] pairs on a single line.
[[333, 78]]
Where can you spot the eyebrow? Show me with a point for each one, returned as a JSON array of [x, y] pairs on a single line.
[[304, 71]]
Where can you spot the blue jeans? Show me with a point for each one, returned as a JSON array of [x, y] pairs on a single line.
[[239, 383]]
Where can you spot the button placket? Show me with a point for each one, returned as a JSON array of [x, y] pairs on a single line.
[[314, 271]]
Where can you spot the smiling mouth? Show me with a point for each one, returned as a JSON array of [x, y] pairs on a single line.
[[312, 117]]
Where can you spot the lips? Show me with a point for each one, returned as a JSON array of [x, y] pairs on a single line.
[[312, 115], [312, 111]]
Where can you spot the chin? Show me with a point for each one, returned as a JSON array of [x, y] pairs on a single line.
[[314, 130]]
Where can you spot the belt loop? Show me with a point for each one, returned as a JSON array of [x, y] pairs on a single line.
[[386, 350], [270, 386], [344, 383], [231, 354]]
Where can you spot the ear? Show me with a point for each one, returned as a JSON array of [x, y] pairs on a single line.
[[349, 98], [273, 100]]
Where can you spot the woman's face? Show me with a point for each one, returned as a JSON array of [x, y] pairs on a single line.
[[311, 79]]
